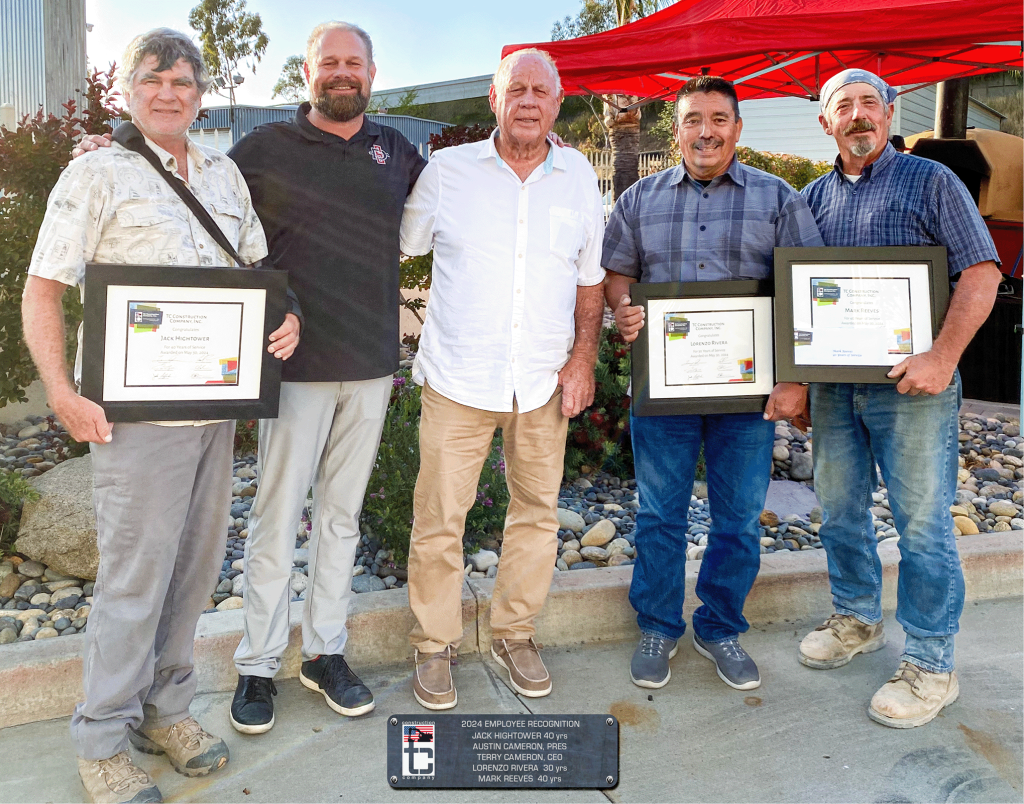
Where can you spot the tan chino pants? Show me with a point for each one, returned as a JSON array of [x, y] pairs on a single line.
[[454, 442]]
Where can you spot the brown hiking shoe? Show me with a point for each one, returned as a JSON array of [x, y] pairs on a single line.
[[912, 697], [526, 670], [192, 751], [432, 682], [116, 780], [836, 641]]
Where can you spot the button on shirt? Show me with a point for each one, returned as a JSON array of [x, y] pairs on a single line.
[[508, 256], [902, 200], [669, 228], [110, 206]]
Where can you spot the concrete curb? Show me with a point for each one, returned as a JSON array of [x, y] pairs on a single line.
[[42, 680]]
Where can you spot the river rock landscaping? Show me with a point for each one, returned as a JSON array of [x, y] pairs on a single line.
[[596, 516]]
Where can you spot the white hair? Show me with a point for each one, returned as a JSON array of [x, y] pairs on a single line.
[[317, 35], [168, 47], [503, 74]]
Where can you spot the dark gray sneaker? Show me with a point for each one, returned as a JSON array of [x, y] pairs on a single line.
[[649, 667], [734, 666]]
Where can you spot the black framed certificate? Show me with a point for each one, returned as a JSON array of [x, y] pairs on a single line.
[[851, 314], [177, 343], [705, 347]]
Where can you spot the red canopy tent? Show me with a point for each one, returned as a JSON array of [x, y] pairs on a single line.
[[790, 47]]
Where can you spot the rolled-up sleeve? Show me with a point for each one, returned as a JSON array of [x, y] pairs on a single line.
[[420, 214]]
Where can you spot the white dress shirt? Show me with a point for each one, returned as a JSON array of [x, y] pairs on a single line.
[[508, 256]]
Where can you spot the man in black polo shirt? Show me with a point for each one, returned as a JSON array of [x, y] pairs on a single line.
[[329, 188]]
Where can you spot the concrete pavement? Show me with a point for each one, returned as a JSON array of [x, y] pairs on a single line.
[[803, 736]]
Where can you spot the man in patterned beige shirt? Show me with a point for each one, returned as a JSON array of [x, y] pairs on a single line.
[[161, 489]]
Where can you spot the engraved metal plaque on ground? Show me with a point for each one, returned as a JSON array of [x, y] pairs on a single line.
[[441, 751]]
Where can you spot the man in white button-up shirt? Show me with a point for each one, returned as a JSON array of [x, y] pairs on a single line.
[[509, 341]]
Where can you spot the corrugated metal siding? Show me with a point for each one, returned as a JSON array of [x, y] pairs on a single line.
[[64, 32], [218, 138], [417, 131], [22, 58], [785, 126]]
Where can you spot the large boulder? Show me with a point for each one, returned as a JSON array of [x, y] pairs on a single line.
[[59, 529]]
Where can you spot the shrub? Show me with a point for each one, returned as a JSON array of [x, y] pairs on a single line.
[[799, 171], [31, 160], [387, 506], [247, 437], [599, 437], [14, 492]]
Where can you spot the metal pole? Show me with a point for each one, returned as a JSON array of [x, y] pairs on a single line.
[[951, 109]]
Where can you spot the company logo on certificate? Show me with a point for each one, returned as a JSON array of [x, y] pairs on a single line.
[[704, 348], [862, 317], [173, 344]]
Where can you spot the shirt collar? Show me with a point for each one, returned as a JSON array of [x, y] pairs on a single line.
[[887, 155], [198, 158], [554, 159], [314, 134], [734, 172]]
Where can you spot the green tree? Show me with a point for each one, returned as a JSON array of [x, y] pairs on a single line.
[[32, 157], [231, 37], [292, 84]]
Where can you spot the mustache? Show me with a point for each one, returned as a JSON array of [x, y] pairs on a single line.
[[707, 142], [343, 83], [860, 125]]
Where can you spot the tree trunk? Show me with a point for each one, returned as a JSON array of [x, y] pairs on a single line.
[[624, 134]]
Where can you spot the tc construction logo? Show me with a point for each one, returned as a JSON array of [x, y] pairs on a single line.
[[825, 292], [380, 156], [418, 758], [677, 327], [144, 318]]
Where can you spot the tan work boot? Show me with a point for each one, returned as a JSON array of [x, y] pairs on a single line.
[[116, 780], [912, 697], [526, 670], [432, 683], [192, 751], [836, 641]]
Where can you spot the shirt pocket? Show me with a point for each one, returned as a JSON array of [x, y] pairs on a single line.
[[148, 230], [757, 249], [566, 238], [228, 215]]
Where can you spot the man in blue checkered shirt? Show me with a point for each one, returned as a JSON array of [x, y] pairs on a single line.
[[876, 196], [711, 218]]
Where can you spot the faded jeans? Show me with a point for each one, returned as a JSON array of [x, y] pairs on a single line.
[[738, 456], [913, 439]]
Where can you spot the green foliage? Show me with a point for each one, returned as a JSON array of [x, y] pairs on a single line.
[[291, 85], [230, 36], [799, 171], [599, 437], [31, 160], [387, 507], [247, 437], [14, 492], [594, 17], [406, 105]]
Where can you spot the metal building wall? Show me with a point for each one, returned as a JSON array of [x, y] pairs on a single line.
[[22, 57], [64, 37]]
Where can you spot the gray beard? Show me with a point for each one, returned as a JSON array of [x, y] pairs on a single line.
[[862, 146], [340, 108]]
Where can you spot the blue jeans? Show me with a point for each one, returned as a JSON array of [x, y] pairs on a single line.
[[738, 456], [913, 439]]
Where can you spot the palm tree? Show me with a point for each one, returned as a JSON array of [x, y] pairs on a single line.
[[622, 123]]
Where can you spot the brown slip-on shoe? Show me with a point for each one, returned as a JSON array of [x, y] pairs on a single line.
[[116, 780], [837, 640], [192, 751], [912, 697], [526, 670], [432, 683]]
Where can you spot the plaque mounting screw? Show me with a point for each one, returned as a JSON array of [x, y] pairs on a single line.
[[610, 722], [394, 779], [608, 779], [394, 721]]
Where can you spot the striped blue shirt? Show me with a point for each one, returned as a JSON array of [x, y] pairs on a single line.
[[669, 228], [901, 200]]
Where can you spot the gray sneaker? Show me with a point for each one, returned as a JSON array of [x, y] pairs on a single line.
[[649, 667], [734, 666]]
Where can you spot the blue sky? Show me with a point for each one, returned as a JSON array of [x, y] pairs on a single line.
[[415, 41]]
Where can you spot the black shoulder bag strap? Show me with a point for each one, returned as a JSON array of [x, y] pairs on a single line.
[[131, 138]]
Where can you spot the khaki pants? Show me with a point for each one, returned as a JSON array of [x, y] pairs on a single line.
[[454, 442]]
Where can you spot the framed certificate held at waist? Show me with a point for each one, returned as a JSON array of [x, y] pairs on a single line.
[[177, 343], [851, 314], [705, 347]]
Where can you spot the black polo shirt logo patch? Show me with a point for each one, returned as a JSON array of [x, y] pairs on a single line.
[[380, 156]]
